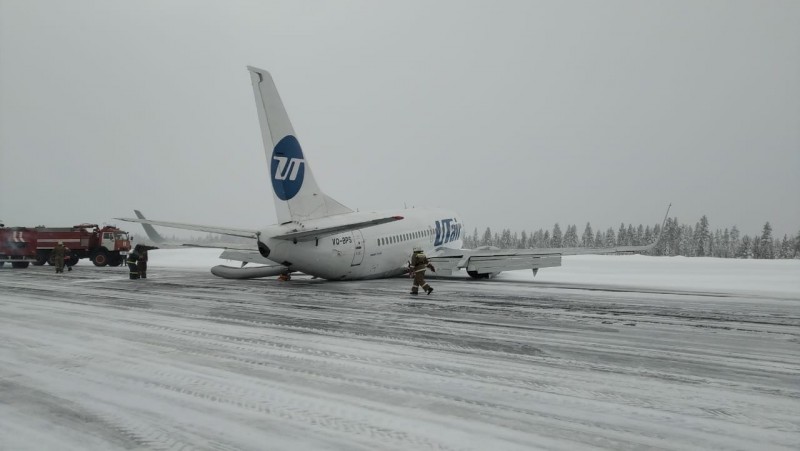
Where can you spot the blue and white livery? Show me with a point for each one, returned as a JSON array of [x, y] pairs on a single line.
[[317, 235]]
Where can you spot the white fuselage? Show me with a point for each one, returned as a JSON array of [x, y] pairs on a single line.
[[371, 252]]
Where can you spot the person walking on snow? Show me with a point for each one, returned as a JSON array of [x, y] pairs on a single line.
[[60, 252], [419, 262]]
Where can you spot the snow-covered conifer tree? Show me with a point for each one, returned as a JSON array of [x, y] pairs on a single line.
[[587, 239], [765, 243], [621, 238], [571, 236], [611, 240], [557, 239], [505, 239], [487, 237]]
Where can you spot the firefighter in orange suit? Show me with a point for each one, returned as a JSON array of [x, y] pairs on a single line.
[[419, 262]]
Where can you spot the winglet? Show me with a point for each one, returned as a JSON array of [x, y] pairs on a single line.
[[149, 229]]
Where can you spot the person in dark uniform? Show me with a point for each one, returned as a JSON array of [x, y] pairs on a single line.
[[141, 264], [419, 262], [60, 253], [133, 258]]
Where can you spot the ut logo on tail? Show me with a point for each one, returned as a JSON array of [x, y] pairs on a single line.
[[288, 168], [283, 172]]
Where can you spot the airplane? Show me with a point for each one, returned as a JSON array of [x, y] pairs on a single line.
[[321, 237], [265, 269]]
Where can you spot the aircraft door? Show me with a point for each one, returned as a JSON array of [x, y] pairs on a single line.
[[358, 244]]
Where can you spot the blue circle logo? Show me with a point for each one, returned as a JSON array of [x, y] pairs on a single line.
[[288, 168]]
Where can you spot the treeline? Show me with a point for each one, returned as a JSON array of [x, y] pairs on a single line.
[[677, 239]]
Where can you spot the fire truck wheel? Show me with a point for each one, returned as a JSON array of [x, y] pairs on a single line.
[[41, 258], [114, 260], [2, 263], [100, 258], [19, 265], [72, 260]]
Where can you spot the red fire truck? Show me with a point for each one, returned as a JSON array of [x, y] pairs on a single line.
[[17, 246], [104, 246]]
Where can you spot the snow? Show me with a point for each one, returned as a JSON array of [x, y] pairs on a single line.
[[776, 277], [605, 352]]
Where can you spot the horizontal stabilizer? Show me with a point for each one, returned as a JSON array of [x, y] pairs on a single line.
[[308, 235]]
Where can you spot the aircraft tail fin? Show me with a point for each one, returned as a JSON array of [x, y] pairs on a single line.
[[296, 193]]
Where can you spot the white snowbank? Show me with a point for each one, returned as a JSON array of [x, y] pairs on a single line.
[[780, 277]]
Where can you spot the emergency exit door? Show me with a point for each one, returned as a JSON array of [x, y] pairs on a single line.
[[358, 253]]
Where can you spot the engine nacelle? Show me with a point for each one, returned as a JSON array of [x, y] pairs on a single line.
[[253, 272], [263, 249], [486, 275]]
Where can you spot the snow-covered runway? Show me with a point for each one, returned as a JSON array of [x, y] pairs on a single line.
[[184, 360]]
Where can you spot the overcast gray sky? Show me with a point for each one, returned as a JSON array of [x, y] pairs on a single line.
[[516, 114]]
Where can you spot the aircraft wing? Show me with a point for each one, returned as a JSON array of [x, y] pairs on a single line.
[[238, 252], [156, 239], [312, 234], [196, 227], [487, 262], [480, 262]]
